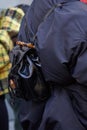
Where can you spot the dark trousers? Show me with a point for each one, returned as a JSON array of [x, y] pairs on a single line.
[[3, 114]]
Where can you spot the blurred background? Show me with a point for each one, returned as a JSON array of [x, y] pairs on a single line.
[[9, 3]]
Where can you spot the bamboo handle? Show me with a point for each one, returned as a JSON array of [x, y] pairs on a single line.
[[29, 45]]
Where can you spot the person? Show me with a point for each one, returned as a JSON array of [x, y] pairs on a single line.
[[5, 46], [58, 31], [10, 20]]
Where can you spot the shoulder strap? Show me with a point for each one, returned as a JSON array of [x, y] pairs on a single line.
[[45, 17], [48, 14], [52, 9]]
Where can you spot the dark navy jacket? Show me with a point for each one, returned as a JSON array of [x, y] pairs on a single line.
[[61, 43]]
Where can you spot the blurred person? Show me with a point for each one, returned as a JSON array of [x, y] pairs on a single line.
[[10, 21], [5, 46], [60, 41]]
